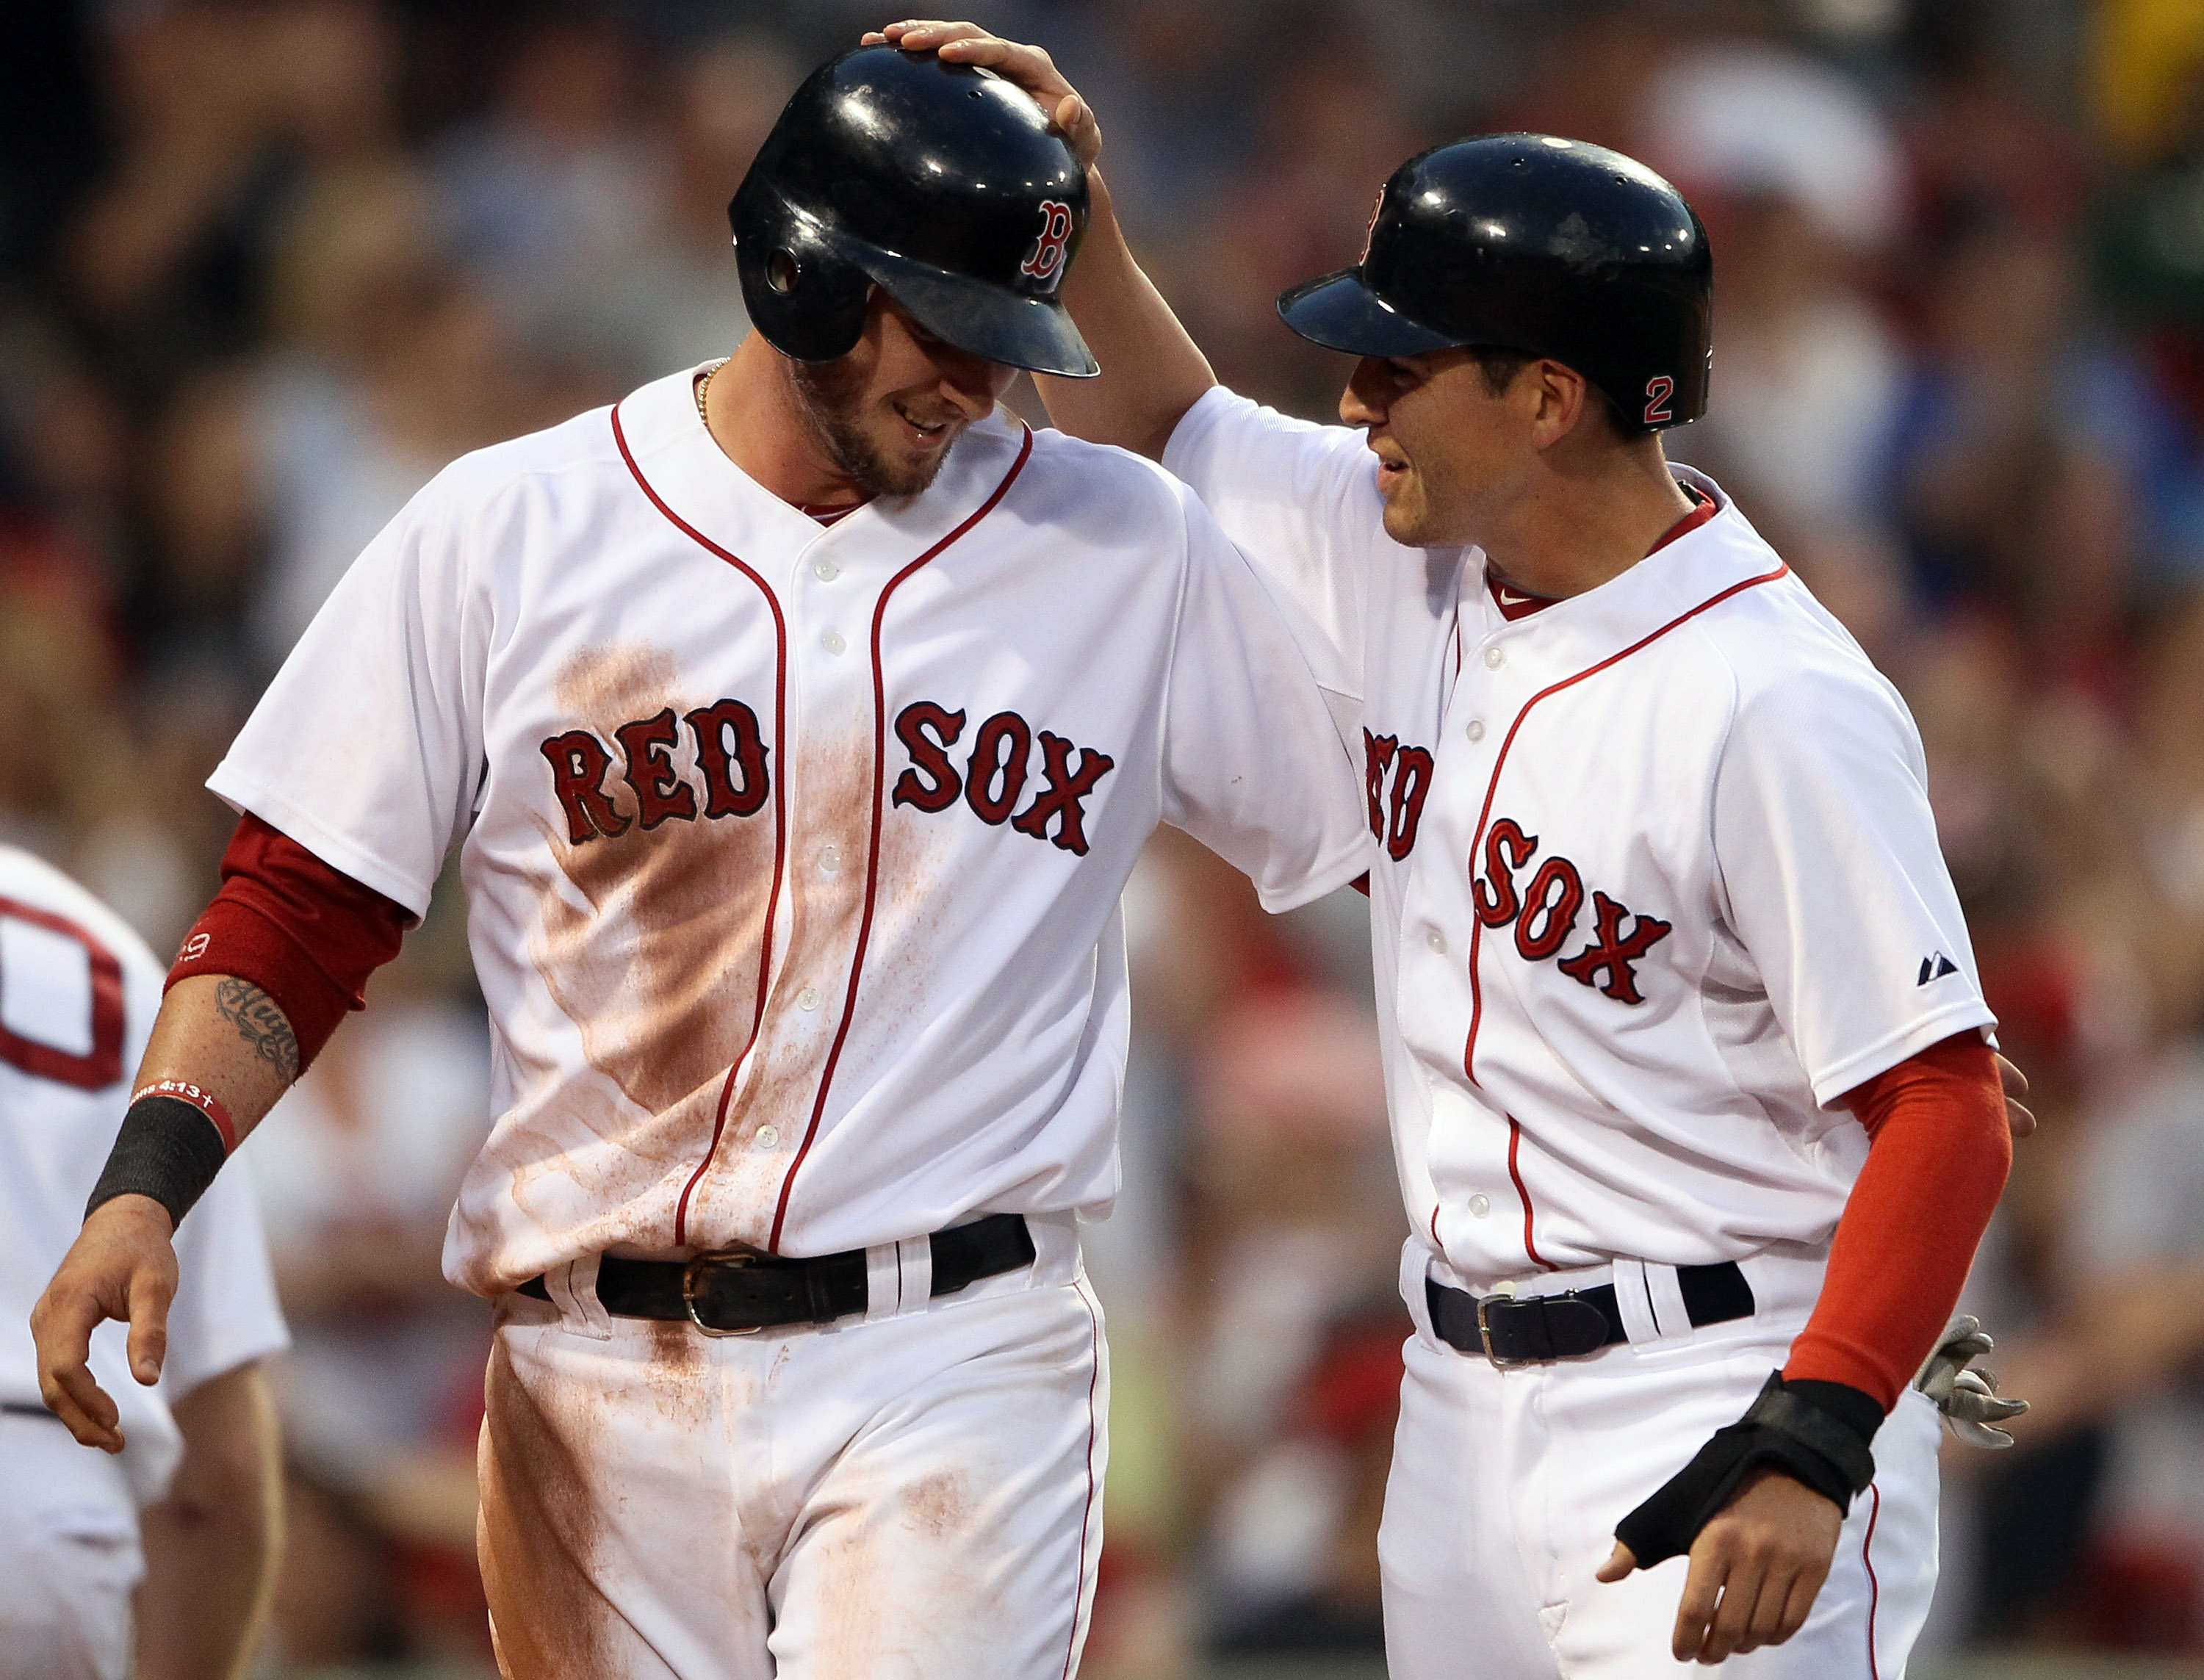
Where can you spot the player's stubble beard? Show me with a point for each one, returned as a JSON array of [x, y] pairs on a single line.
[[830, 406]]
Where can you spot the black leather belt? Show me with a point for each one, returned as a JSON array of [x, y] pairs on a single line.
[[739, 1293], [24, 1408], [1531, 1329]]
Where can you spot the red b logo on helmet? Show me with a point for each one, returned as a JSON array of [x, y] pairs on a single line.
[[1045, 262]]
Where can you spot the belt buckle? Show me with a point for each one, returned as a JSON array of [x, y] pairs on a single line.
[[733, 1259], [1484, 1335]]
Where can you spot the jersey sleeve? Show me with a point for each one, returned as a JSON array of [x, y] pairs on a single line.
[[1827, 855], [1301, 502], [1252, 767], [366, 747], [225, 1314]]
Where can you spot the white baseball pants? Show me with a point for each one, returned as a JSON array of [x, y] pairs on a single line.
[[913, 1497], [69, 1556], [1506, 1485]]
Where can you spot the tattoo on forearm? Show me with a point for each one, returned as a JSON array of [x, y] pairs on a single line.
[[260, 1024]]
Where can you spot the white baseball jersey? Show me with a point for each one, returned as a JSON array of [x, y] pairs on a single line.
[[792, 853], [78, 994], [1657, 879]]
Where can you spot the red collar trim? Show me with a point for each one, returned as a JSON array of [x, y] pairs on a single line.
[[1698, 516], [1514, 603]]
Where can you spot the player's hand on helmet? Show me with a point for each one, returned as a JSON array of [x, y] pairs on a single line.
[[1969, 1400], [123, 1265], [1756, 1569], [1025, 66], [2019, 1120]]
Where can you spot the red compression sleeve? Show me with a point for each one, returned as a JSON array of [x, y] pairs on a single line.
[[307, 935], [1937, 1160]]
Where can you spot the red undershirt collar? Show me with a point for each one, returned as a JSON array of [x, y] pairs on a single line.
[[1514, 603]]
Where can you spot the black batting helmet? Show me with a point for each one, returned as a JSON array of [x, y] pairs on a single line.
[[941, 184], [1527, 242]]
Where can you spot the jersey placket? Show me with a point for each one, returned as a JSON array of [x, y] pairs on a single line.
[[830, 595], [1482, 1210]]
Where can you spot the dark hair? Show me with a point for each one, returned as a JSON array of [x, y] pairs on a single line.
[[1499, 366]]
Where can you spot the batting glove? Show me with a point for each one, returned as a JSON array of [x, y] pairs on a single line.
[[1969, 1400]]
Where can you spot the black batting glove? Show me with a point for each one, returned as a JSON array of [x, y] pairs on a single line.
[[1817, 1433]]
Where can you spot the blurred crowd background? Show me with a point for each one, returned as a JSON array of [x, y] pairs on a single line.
[[266, 264]]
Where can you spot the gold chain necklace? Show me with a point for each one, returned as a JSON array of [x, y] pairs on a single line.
[[704, 387]]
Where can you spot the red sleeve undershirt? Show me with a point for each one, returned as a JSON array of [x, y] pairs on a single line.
[[307, 935], [1937, 1158]]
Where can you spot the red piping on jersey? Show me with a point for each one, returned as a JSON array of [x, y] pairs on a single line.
[[101, 1065], [1484, 815], [1514, 1172], [779, 817], [1874, 1588], [873, 851], [1087, 1512]]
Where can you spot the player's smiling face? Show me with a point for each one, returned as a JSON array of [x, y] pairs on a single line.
[[1446, 446], [888, 411]]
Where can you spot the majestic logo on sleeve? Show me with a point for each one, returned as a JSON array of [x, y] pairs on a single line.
[[995, 772], [1545, 911], [1045, 262], [1397, 778]]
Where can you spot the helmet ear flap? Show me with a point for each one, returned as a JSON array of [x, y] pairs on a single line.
[[806, 300]]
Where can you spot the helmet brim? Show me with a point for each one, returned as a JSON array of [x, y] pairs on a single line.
[[1341, 312], [1035, 333]]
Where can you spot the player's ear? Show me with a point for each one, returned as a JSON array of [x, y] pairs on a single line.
[[1559, 399]]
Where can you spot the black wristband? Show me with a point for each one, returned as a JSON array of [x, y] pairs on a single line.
[[1835, 1419], [1814, 1436], [168, 1149]]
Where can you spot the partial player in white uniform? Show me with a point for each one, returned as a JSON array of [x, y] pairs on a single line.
[[795, 793], [1662, 935], [182, 1518]]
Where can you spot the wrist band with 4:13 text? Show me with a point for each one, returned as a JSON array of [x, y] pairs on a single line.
[[173, 1140]]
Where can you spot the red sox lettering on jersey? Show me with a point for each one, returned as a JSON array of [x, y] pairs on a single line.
[[731, 757], [793, 852], [1544, 914]]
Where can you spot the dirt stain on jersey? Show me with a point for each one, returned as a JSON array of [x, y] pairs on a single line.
[[831, 805], [657, 964]]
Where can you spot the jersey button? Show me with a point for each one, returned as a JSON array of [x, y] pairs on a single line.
[[825, 570], [1479, 1206], [769, 1137], [832, 642], [1494, 659], [1436, 941], [830, 858], [1476, 729], [807, 998]]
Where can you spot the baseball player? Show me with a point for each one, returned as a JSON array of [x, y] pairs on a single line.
[[183, 1521], [799, 719], [1696, 1119]]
